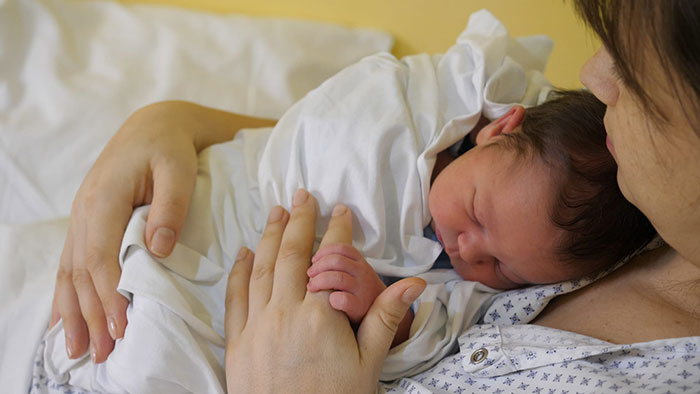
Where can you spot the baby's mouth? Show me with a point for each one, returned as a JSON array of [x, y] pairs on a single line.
[[439, 236]]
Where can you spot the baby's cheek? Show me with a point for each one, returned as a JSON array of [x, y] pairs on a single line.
[[463, 270], [483, 274]]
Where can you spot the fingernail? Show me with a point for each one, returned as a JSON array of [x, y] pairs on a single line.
[[162, 242], [93, 353], [243, 253], [412, 293], [300, 197], [275, 214], [69, 349], [112, 327], [339, 210]]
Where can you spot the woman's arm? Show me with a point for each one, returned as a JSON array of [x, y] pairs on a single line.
[[280, 338], [206, 126], [152, 159]]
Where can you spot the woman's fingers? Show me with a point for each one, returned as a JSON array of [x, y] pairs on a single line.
[[101, 342], [67, 305], [378, 328], [64, 279], [173, 182], [264, 263], [55, 314], [74, 326], [104, 230], [237, 290], [339, 228], [295, 250], [90, 304]]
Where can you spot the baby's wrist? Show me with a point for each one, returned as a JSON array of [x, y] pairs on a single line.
[[404, 329]]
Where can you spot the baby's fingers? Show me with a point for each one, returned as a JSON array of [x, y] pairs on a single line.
[[343, 249], [335, 262], [332, 280], [348, 303]]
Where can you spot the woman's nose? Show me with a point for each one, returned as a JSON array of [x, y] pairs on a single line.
[[598, 75], [471, 250]]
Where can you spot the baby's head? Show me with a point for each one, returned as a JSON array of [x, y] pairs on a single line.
[[536, 200]]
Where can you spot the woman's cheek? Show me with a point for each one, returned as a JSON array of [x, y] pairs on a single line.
[[630, 141]]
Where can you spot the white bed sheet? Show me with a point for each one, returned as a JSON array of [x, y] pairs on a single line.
[[70, 74]]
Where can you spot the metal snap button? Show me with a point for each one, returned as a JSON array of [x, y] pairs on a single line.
[[479, 356]]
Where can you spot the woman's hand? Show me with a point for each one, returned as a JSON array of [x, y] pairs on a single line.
[[282, 338], [152, 159]]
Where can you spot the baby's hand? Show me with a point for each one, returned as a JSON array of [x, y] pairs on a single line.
[[342, 268]]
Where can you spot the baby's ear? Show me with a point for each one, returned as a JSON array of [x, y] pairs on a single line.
[[503, 125]]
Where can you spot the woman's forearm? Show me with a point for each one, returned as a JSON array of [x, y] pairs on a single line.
[[206, 125]]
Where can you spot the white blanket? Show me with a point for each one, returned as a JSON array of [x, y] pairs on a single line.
[[368, 137], [71, 72]]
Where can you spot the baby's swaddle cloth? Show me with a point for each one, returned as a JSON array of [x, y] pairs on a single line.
[[367, 137]]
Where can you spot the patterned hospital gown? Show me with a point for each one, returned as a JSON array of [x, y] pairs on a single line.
[[505, 355]]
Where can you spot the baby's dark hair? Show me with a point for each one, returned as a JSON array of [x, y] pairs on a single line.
[[567, 133]]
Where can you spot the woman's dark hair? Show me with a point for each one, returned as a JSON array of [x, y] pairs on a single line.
[[632, 30], [567, 134]]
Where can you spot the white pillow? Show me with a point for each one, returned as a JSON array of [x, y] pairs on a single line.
[[72, 72]]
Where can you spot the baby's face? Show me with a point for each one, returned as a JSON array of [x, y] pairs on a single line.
[[491, 212]]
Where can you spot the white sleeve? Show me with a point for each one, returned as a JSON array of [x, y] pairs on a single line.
[[448, 306]]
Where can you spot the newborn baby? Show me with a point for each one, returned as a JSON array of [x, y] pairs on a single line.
[[535, 201]]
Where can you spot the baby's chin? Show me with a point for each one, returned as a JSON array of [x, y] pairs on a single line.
[[490, 282], [501, 286]]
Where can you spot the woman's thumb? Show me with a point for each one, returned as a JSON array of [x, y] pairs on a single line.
[[379, 326], [166, 216]]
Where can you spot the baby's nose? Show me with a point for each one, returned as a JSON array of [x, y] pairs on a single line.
[[471, 250]]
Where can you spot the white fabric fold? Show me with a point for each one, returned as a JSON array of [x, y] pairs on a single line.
[[73, 71], [448, 306]]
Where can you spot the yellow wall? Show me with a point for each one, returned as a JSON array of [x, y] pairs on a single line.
[[433, 25]]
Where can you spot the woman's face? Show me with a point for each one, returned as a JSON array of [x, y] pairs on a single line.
[[658, 161]]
